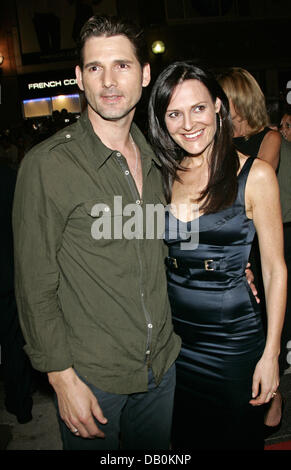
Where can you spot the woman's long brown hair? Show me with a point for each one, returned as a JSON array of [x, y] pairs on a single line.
[[221, 189]]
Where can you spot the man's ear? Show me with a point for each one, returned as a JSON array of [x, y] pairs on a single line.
[[146, 75], [79, 77]]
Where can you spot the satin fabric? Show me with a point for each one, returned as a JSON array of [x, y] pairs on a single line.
[[219, 321]]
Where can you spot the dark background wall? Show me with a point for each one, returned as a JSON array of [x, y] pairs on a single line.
[[216, 33]]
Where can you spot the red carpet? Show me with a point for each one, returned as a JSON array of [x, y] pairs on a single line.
[[279, 446]]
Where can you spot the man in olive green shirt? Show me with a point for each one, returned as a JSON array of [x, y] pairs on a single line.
[[94, 310]]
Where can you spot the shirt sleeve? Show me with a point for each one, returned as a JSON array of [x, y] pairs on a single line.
[[38, 224]]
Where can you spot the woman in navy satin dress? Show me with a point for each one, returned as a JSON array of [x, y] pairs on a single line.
[[227, 370]]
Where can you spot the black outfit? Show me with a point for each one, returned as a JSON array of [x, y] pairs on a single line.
[[16, 367], [250, 146], [219, 321]]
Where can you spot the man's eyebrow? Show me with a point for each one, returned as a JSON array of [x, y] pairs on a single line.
[[121, 61], [116, 61], [90, 64]]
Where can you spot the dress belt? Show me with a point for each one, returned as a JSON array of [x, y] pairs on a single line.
[[204, 264]]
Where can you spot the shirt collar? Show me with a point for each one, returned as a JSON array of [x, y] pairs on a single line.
[[102, 152]]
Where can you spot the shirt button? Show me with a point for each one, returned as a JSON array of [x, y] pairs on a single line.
[[150, 325], [142, 294], [68, 136], [126, 172], [118, 154], [138, 201], [106, 209]]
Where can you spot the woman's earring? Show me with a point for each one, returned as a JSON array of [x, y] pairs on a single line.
[[220, 122]]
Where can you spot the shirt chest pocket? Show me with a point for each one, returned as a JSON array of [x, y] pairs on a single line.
[[105, 217], [111, 219]]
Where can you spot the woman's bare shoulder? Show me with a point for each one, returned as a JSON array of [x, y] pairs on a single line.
[[261, 175], [272, 137]]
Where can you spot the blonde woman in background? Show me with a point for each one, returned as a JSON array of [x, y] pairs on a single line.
[[252, 134]]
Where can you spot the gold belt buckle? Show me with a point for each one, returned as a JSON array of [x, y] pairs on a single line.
[[174, 262], [206, 264]]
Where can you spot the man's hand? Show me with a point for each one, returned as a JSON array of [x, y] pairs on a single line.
[[250, 279], [77, 404]]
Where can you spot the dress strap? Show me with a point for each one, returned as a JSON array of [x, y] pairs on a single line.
[[242, 179]]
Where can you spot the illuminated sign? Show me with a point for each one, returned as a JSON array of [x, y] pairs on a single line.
[[52, 83], [49, 83]]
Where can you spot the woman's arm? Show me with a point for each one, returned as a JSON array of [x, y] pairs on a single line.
[[263, 204], [270, 148]]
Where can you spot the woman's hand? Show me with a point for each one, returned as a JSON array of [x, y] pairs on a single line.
[[265, 380]]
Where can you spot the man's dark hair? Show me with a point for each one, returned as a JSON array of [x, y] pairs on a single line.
[[109, 26]]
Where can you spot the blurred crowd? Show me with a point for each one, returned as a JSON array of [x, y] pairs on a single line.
[[15, 142]]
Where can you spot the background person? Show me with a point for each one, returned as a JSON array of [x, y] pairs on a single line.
[[274, 415], [285, 124], [252, 134], [16, 367]]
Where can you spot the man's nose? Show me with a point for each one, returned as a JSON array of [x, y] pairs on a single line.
[[109, 78]]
